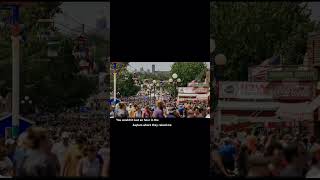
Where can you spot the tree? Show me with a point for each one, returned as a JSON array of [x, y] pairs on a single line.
[[187, 72], [125, 84], [53, 85], [250, 32], [31, 48], [57, 85]]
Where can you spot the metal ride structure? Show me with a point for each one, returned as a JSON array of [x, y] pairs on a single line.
[[47, 33], [82, 53]]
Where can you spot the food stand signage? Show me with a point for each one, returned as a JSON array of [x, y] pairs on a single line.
[[292, 90], [244, 90], [299, 75]]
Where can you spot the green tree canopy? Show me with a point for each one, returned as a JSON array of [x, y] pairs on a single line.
[[189, 71], [250, 32], [53, 85]]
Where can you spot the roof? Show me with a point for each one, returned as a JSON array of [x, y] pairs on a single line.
[[20, 117]]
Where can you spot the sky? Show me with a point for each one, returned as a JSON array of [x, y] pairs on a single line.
[[84, 12], [93, 10], [160, 66], [315, 7]]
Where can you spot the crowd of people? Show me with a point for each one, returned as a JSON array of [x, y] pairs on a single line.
[[67, 148], [274, 154], [161, 109]]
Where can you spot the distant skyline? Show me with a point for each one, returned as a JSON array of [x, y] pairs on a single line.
[[160, 66]]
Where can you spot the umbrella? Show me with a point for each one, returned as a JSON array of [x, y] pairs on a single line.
[[112, 101]]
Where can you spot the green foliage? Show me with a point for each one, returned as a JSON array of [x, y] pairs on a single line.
[[152, 76], [187, 72], [125, 84], [250, 32], [54, 85]]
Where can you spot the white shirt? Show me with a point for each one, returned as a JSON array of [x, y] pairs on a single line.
[[208, 116], [90, 168], [59, 149]]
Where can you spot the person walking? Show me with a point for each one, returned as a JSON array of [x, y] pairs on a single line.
[[227, 153], [73, 156], [158, 112], [147, 112], [37, 162], [90, 165], [314, 172], [295, 162], [6, 165], [60, 148], [122, 111]]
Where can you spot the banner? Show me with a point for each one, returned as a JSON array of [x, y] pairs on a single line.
[[292, 90], [193, 90], [244, 90]]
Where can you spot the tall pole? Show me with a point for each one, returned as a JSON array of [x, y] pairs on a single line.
[[15, 72], [154, 93], [150, 96], [15, 84], [115, 82], [114, 86], [161, 98], [82, 28]]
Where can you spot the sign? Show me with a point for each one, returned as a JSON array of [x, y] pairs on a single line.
[[193, 90], [311, 75], [197, 84], [313, 46], [292, 90], [201, 90], [244, 90]]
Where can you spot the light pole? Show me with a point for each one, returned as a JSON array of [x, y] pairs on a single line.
[[15, 43], [161, 95], [175, 80], [141, 85], [158, 86], [26, 100], [154, 84], [149, 95], [150, 92], [220, 61]]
